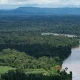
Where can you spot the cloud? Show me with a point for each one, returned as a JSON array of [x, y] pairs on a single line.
[[43, 3]]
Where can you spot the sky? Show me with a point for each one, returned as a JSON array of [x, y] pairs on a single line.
[[39, 3]]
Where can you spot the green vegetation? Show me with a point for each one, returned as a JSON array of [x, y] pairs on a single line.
[[55, 24], [37, 45], [20, 75], [13, 58], [27, 67], [27, 55], [5, 69], [48, 52]]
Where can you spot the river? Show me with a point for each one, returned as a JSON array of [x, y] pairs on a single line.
[[73, 63]]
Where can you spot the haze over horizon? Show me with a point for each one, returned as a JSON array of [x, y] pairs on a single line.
[[11, 4]]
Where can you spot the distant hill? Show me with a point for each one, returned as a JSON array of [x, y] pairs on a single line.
[[41, 11]]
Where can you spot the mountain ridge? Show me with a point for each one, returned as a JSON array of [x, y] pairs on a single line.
[[41, 11]]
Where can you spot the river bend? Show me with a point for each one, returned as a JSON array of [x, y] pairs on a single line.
[[73, 63]]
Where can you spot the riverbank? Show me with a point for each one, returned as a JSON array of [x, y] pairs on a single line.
[[73, 63], [35, 52], [56, 34]]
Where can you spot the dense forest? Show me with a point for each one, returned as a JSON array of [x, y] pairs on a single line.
[[29, 68], [37, 45], [28, 55], [55, 24]]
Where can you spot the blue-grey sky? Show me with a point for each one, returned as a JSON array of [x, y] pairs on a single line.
[[39, 3]]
